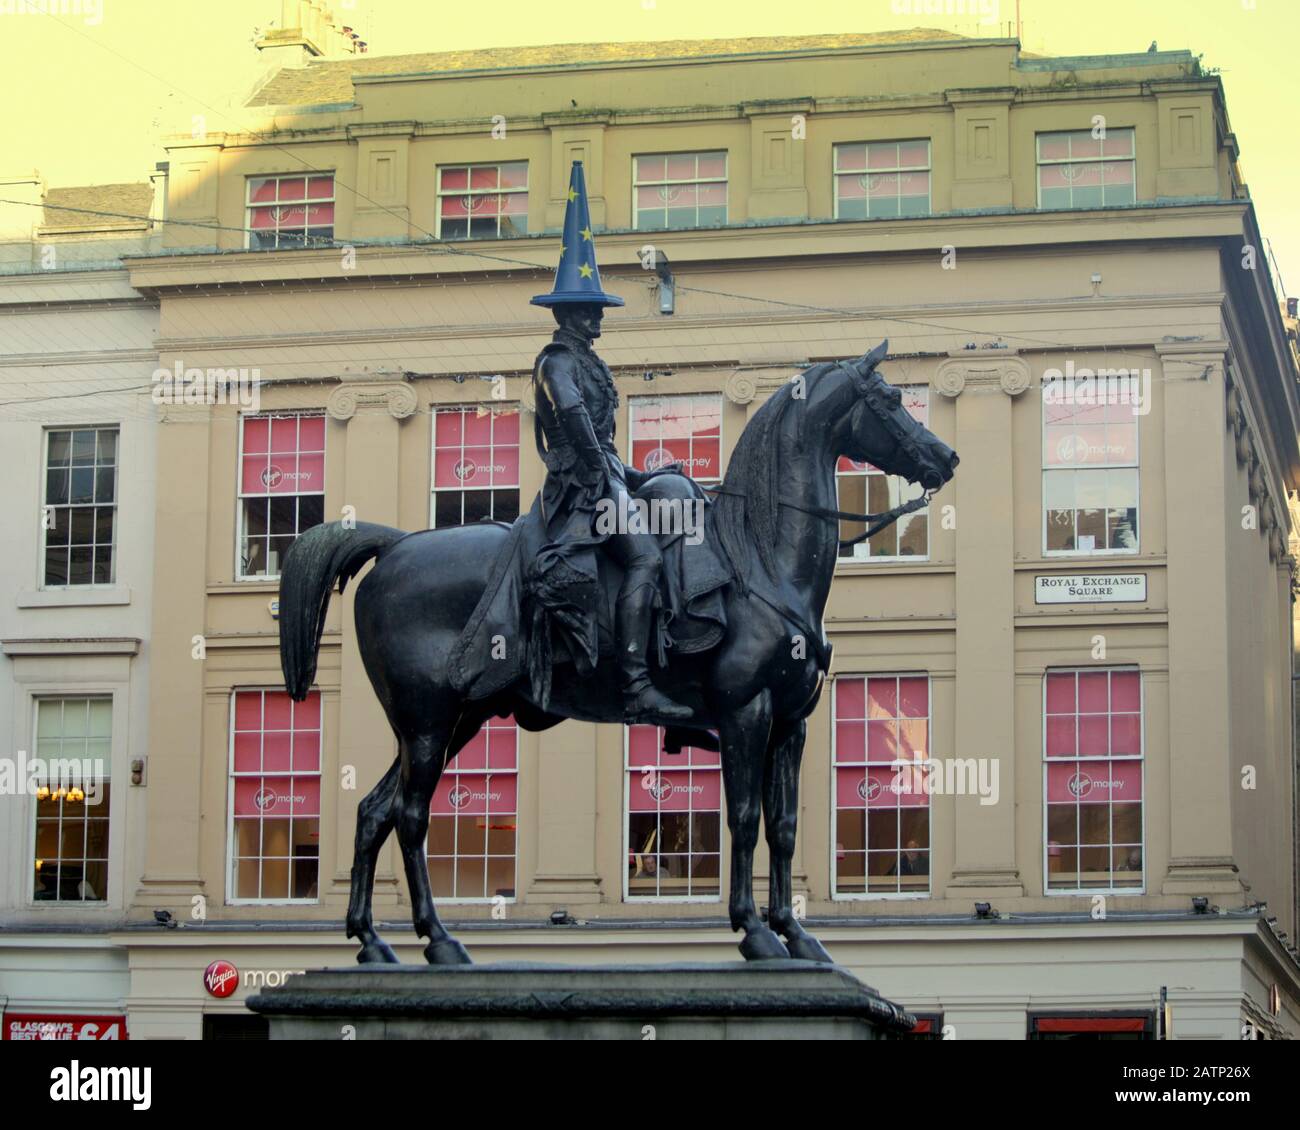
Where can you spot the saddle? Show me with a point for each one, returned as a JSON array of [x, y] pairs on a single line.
[[549, 605]]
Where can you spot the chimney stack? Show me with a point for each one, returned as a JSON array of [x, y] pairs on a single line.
[[308, 31]]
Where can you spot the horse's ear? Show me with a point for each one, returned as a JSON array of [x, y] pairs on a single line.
[[868, 361]]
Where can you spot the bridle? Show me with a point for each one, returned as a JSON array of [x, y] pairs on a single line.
[[871, 391]]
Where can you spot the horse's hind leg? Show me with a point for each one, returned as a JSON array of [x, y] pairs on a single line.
[[376, 816], [744, 751], [425, 757], [780, 818]]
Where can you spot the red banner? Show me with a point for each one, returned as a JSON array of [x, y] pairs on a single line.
[[50, 1026]]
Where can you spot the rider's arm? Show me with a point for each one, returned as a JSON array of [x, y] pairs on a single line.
[[560, 386]]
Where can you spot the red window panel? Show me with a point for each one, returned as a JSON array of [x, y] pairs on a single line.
[[1092, 750], [483, 201], [473, 818], [684, 429], [281, 487], [290, 211], [881, 785], [475, 465], [275, 767]]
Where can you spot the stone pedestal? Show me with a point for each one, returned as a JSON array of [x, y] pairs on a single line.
[[787, 1000]]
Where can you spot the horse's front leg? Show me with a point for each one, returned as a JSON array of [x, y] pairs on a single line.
[[781, 820], [744, 737]]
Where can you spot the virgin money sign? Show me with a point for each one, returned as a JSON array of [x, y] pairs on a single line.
[[901, 786], [477, 467], [221, 978], [49, 1026], [699, 457], [475, 794], [674, 791], [1094, 782], [277, 796]]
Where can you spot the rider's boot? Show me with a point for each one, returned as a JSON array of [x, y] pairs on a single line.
[[642, 702]]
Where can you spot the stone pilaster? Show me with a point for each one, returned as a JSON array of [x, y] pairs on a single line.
[[1197, 450], [372, 406], [173, 870], [984, 383]]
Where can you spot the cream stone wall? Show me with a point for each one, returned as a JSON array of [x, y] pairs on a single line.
[[78, 351]]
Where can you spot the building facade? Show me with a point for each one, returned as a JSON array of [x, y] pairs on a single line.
[[77, 445], [1086, 637]]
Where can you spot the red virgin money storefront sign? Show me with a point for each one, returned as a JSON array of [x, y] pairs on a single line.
[[50, 1026]]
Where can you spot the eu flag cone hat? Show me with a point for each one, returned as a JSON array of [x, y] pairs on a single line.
[[577, 279]]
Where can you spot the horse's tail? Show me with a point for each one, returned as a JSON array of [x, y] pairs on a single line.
[[318, 558]]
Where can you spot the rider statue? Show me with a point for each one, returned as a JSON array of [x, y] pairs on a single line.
[[576, 404]]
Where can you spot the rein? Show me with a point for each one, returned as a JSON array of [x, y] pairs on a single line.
[[875, 522]]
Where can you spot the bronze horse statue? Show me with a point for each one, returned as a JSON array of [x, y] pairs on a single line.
[[778, 523]]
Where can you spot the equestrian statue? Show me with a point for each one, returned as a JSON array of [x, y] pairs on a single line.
[[583, 614]]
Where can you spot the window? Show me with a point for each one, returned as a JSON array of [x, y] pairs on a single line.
[[475, 465], [275, 797], [683, 428], [674, 819], [80, 506], [865, 489], [290, 211], [1090, 472], [74, 742], [473, 818], [1092, 750], [281, 488], [882, 180], [1092, 1026], [1078, 170], [680, 190], [483, 201], [882, 804]]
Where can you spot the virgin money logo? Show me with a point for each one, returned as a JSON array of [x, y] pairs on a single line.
[[659, 458], [869, 788], [1080, 785], [464, 469], [1073, 448], [460, 796], [660, 788], [273, 476], [266, 798], [221, 978]]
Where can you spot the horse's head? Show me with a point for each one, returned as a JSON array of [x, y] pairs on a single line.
[[880, 431]]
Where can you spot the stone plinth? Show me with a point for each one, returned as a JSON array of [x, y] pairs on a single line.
[[799, 1000]]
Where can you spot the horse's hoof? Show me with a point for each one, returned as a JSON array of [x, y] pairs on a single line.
[[805, 947], [378, 952], [763, 945], [448, 951]]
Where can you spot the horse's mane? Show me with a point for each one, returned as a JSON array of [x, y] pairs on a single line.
[[746, 513]]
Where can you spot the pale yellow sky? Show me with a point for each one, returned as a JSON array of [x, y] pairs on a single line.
[[88, 90]]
